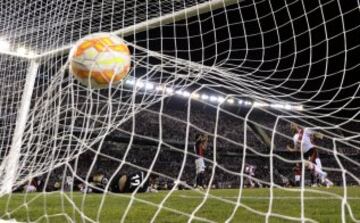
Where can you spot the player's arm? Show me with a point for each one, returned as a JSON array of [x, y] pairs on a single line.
[[314, 135], [205, 140], [295, 148], [296, 144], [318, 135]]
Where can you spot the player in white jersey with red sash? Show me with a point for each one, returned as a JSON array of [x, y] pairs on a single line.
[[303, 141], [201, 141]]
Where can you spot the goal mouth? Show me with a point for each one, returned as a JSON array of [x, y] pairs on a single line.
[[269, 84]]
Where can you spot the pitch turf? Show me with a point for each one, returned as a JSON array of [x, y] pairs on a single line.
[[321, 204]]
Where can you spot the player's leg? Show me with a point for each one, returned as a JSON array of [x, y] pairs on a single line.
[[312, 178], [252, 184], [200, 169], [315, 174], [122, 183], [325, 180], [310, 165], [197, 171], [297, 180], [315, 166], [318, 163], [258, 183], [318, 168], [201, 179]]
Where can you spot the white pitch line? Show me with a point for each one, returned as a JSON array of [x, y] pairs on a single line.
[[275, 198]]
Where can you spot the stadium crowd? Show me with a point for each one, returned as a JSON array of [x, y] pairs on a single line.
[[167, 159]]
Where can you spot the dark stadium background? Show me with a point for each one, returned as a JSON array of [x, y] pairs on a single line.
[[333, 65]]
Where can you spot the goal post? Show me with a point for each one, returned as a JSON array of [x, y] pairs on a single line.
[[11, 161]]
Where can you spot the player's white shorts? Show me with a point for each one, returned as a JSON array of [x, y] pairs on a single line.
[[297, 178], [30, 188], [318, 163], [199, 165]]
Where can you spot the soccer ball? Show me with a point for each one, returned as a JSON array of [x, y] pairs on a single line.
[[100, 60]]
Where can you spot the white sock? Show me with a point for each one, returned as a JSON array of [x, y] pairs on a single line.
[[318, 162], [321, 173]]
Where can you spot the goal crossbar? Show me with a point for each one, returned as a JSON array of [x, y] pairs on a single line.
[[155, 22]]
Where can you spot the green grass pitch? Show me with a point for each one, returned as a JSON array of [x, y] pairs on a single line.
[[321, 205]]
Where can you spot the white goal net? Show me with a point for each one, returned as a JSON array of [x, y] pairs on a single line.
[[240, 72]]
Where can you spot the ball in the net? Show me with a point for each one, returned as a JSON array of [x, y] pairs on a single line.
[[100, 60]]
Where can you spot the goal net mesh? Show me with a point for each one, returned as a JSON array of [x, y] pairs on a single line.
[[239, 71]]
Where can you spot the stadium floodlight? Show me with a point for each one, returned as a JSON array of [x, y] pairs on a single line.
[[220, 99], [288, 107], [213, 98], [4, 45], [230, 101], [260, 104], [130, 81], [195, 95], [31, 53], [179, 92], [159, 88], [248, 103], [277, 106], [240, 102], [186, 94], [169, 90], [22, 50], [140, 84], [149, 86], [204, 97]]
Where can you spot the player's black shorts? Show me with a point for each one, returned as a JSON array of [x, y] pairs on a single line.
[[133, 181], [114, 184], [311, 154]]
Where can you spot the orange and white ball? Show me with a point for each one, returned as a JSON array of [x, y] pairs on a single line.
[[100, 60]]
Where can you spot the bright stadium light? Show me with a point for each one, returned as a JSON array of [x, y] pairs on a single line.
[[179, 92], [280, 106], [260, 104], [195, 95], [4, 45], [220, 99], [247, 103], [130, 82], [288, 107], [204, 97], [230, 101], [240, 102], [149, 86], [213, 98], [22, 50], [140, 84], [31, 53], [186, 94], [159, 88], [169, 90]]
